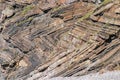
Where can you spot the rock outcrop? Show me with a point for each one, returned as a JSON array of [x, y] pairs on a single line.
[[41, 39]]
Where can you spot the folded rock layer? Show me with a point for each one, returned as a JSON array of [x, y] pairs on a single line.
[[42, 39]]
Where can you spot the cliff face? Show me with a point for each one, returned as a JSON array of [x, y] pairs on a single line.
[[41, 39]]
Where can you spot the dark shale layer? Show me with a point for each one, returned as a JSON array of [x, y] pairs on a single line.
[[41, 39]]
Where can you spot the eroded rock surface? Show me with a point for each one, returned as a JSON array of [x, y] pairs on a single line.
[[41, 39]]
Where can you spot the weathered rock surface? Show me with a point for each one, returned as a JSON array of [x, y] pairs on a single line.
[[106, 76], [41, 39]]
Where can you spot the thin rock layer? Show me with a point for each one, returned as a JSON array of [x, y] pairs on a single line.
[[41, 39]]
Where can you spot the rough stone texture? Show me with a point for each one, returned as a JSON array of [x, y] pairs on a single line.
[[115, 75], [42, 39]]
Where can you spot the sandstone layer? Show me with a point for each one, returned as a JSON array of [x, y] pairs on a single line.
[[41, 39]]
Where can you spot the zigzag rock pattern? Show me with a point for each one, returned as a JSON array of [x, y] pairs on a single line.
[[41, 39]]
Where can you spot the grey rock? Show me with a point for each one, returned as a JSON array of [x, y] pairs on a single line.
[[8, 12]]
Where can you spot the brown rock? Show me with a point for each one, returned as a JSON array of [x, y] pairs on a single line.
[[22, 63], [51, 38]]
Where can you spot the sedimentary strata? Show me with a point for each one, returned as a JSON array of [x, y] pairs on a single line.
[[41, 39]]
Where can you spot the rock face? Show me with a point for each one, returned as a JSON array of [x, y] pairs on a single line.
[[106, 76], [41, 39]]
